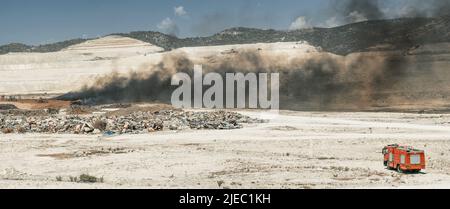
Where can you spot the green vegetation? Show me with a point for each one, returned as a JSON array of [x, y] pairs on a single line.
[[53, 47], [14, 47], [83, 178], [396, 34]]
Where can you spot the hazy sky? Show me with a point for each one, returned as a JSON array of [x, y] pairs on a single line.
[[45, 21]]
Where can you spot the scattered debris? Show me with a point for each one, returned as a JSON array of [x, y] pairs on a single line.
[[88, 153], [53, 111], [119, 105], [41, 100], [83, 178], [133, 123], [284, 128], [80, 110]]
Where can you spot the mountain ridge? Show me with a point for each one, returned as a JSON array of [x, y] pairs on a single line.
[[393, 34]]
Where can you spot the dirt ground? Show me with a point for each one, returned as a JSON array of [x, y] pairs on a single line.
[[37, 104], [293, 150]]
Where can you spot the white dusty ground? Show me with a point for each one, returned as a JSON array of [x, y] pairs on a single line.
[[293, 150]]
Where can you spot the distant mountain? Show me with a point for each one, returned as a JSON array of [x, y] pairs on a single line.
[[14, 47], [53, 47], [363, 36]]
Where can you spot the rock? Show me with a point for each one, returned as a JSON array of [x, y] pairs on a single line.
[[173, 127], [21, 130], [126, 126], [7, 130], [87, 129], [89, 125], [52, 111], [96, 131], [158, 126], [77, 129], [100, 124]]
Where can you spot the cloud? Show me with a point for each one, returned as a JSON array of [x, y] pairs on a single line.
[[300, 23], [179, 11], [168, 26], [356, 16]]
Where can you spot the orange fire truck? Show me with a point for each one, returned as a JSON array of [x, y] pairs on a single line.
[[404, 158]]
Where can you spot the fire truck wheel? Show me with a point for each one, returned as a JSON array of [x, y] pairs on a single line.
[[399, 169]]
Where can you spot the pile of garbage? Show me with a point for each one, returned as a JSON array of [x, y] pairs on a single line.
[[133, 123]]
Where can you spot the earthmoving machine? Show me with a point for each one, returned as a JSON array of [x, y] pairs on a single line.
[[404, 158]]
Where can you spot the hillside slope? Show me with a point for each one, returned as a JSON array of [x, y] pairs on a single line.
[[358, 37], [72, 67]]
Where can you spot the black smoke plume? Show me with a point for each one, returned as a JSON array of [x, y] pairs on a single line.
[[322, 81]]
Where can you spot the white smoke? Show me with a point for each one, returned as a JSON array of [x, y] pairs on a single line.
[[300, 23], [356, 16], [168, 26], [332, 22]]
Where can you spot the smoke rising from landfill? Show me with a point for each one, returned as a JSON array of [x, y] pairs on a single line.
[[360, 10], [320, 81]]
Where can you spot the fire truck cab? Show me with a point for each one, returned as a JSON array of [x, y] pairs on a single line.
[[403, 158]]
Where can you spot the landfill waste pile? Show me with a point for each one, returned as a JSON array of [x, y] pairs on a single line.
[[133, 123]]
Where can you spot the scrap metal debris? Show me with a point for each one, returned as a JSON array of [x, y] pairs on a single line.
[[133, 123]]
